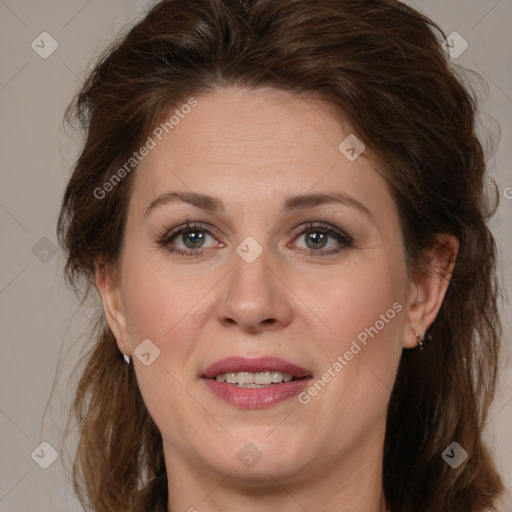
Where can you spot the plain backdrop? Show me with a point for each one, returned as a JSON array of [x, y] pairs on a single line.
[[40, 319]]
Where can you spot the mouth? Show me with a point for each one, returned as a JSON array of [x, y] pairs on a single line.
[[263, 371], [255, 383]]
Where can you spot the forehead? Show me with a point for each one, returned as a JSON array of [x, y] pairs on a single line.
[[252, 145]]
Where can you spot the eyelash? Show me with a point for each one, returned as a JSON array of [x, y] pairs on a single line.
[[166, 237]]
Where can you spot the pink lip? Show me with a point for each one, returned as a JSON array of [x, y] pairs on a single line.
[[255, 398], [261, 364]]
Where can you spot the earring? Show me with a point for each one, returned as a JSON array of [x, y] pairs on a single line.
[[126, 358], [423, 341]]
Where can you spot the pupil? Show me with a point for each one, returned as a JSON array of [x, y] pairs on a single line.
[[194, 237], [318, 238]]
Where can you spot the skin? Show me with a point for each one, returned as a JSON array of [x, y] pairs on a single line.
[[252, 150]]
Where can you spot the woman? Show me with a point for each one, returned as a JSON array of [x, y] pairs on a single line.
[[281, 205]]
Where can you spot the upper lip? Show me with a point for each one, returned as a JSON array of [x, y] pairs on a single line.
[[260, 364]]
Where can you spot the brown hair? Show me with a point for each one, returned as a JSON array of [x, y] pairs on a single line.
[[379, 63]]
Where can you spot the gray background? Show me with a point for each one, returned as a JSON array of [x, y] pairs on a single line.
[[40, 319]]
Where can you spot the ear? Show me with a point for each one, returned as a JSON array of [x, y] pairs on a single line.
[[427, 291], [107, 283]]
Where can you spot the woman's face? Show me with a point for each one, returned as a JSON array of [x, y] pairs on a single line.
[[294, 264]]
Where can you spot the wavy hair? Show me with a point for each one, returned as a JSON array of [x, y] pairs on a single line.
[[380, 65]]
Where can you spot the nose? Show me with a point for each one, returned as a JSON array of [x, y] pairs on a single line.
[[254, 297]]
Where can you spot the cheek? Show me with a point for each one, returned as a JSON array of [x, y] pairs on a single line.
[[365, 304], [155, 296], [159, 305], [365, 313]]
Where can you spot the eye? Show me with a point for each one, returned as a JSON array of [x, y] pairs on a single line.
[[191, 237], [324, 239]]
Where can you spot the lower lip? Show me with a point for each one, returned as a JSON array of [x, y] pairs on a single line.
[[256, 398]]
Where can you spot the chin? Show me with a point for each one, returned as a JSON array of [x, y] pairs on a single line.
[[253, 459]]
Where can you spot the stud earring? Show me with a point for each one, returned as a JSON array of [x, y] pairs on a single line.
[[423, 341]]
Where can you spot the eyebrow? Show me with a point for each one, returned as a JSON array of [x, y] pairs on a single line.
[[199, 200], [292, 203]]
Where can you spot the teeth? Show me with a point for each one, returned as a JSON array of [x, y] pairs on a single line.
[[277, 377], [249, 379], [245, 378], [262, 378]]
